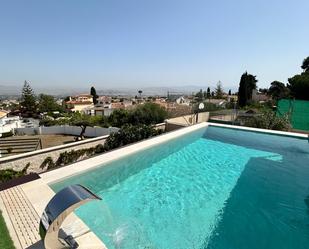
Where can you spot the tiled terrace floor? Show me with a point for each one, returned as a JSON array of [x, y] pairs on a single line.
[[23, 216]]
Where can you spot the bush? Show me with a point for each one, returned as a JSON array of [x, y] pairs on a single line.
[[9, 174], [73, 156], [269, 120], [99, 149], [129, 134], [48, 161]]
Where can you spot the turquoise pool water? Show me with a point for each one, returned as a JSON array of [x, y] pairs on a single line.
[[215, 188]]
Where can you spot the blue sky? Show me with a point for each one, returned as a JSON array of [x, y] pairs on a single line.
[[139, 43]]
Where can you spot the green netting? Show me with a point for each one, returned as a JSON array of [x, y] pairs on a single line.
[[298, 111]]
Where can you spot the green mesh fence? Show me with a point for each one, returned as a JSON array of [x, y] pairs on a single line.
[[298, 111]]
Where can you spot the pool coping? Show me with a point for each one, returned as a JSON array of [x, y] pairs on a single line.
[[265, 131]]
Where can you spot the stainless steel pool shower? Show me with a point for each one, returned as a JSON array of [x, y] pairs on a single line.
[[58, 208]]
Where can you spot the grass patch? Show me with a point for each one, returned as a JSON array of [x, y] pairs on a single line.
[[5, 239]]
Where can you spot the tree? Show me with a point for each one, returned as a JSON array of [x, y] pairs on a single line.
[[219, 90], [278, 90], [149, 113], [212, 94], [93, 92], [208, 92], [230, 92], [140, 93], [47, 103], [119, 117], [199, 96], [246, 85], [299, 86], [263, 90], [305, 65], [83, 121], [28, 100]]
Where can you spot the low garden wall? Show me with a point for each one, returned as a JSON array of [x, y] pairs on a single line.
[[66, 130], [36, 158], [183, 121]]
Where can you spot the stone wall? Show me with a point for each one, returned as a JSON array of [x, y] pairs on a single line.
[[35, 158]]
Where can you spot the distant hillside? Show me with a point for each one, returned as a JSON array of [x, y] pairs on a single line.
[[130, 91]]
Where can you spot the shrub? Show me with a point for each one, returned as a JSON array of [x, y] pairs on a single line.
[[129, 134], [8, 174], [99, 149], [72, 156], [269, 120], [48, 161]]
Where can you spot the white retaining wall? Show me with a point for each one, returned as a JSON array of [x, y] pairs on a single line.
[[66, 130]]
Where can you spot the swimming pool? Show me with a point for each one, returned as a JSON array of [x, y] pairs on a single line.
[[213, 188]]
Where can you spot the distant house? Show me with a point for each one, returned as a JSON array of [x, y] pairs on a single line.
[[161, 102], [217, 102], [79, 103], [102, 110], [172, 97], [102, 100], [259, 97], [107, 108], [182, 101]]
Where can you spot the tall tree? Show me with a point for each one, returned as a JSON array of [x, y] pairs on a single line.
[[28, 100], [230, 92], [246, 85], [208, 92], [93, 92], [305, 65], [278, 90], [219, 90], [299, 84]]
